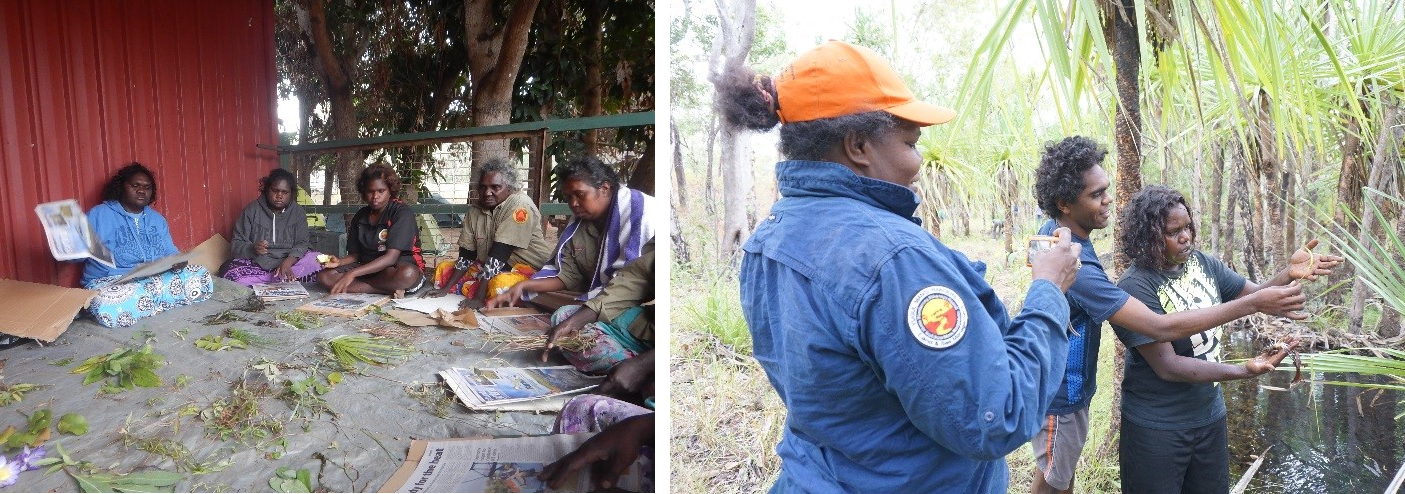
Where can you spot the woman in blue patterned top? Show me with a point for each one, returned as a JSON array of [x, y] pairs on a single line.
[[137, 234]]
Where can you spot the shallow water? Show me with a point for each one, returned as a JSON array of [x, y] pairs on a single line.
[[1324, 438]]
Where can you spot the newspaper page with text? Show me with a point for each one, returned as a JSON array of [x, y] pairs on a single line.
[[502, 465], [70, 235]]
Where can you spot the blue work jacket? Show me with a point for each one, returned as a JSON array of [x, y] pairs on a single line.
[[900, 369], [131, 245]]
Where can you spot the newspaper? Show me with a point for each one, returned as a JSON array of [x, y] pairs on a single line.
[[286, 290], [518, 325], [502, 465], [428, 305], [345, 304], [70, 235], [480, 388]]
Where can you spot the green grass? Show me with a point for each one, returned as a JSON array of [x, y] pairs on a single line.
[[717, 311]]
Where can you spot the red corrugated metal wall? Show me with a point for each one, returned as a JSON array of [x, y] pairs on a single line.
[[186, 88]]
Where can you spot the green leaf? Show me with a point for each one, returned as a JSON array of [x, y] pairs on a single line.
[[93, 483], [145, 378], [72, 423], [157, 478], [305, 478], [334, 378], [95, 374]]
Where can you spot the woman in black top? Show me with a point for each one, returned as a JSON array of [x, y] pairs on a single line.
[[382, 241]]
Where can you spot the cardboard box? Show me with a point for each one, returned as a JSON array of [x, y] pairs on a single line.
[[48, 309]]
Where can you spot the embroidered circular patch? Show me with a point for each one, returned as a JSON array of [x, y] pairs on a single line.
[[384, 234], [937, 317], [520, 215]]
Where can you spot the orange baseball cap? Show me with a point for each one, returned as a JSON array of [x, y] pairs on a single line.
[[837, 79]]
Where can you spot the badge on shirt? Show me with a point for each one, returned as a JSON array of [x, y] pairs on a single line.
[[384, 234], [520, 215], [937, 317]]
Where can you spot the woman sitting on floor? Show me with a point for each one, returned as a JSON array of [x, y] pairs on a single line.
[[610, 225], [382, 241], [614, 331], [270, 238], [136, 234]]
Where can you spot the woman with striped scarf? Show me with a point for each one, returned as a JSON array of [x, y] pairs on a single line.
[[611, 225]]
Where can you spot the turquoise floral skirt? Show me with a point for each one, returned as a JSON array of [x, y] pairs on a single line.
[[121, 305]]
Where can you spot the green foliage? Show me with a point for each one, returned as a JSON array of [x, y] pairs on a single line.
[[289, 480], [718, 311], [72, 423], [14, 393], [93, 479], [349, 350], [305, 396], [63, 362], [251, 338], [123, 369], [240, 415], [1374, 257], [224, 317], [1388, 362], [216, 343], [299, 319], [37, 430]]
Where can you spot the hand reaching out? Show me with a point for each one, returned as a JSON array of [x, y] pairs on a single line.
[[610, 453], [1268, 361], [1305, 265]]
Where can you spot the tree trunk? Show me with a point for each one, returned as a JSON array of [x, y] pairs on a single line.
[[1127, 57], [1352, 178], [335, 73], [494, 56], [680, 179], [1268, 211], [594, 85], [303, 164], [1390, 325], [736, 32], [1231, 206], [1216, 191], [709, 186], [1253, 240], [642, 178], [1381, 173]]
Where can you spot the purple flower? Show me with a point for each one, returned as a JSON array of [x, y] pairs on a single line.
[[9, 472], [27, 458]]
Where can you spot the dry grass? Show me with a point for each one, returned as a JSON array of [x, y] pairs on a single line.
[[727, 419]]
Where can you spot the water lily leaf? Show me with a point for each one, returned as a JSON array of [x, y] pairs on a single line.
[[72, 423]]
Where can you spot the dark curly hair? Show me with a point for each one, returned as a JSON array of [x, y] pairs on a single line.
[[588, 169], [1141, 226], [278, 174], [751, 101], [113, 190], [1060, 173], [379, 171]]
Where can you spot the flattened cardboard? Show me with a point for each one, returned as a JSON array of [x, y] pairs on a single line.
[[48, 309], [212, 253]]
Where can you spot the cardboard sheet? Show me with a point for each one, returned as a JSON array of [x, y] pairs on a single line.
[[48, 309]]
